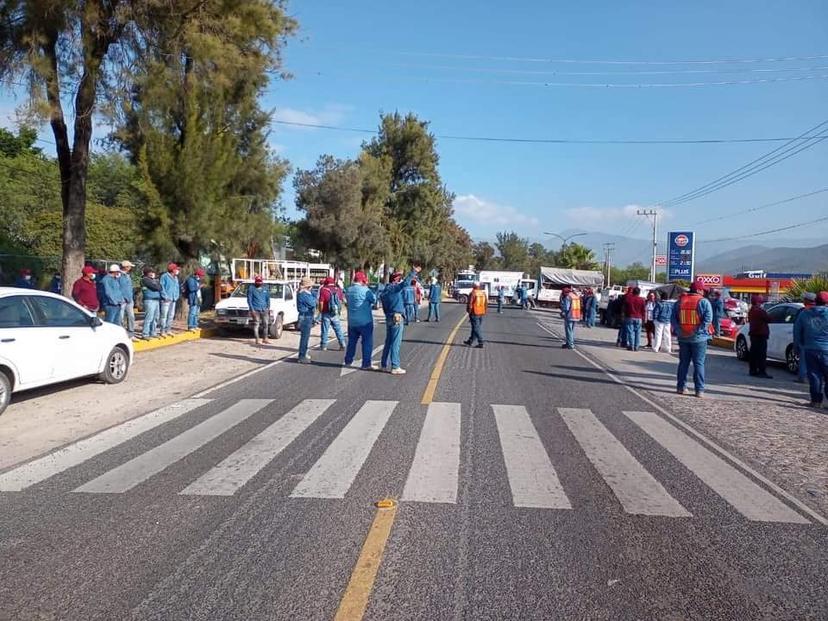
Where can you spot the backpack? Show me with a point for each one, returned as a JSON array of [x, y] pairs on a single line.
[[333, 302]]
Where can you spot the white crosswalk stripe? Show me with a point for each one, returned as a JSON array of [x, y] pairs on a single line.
[[138, 470], [636, 489], [237, 469], [434, 472], [532, 478], [333, 474], [54, 463], [744, 495]]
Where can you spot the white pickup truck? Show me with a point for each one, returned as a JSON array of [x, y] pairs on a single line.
[[234, 313]]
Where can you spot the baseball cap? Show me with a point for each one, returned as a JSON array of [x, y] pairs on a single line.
[[809, 296], [87, 270], [822, 298], [328, 281], [360, 277], [171, 267], [257, 280], [200, 272], [114, 268], [127, 264]]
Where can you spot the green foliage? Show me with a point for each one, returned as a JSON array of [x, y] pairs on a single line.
[[815, 284], [484, 256], [576, 256], [513, 250], [636, 271], [23, 144]]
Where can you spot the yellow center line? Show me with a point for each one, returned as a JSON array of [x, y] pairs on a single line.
[[428, 395], [355, 600]]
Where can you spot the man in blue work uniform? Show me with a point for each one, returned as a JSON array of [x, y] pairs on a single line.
[[113, 295], [127, 288], [501, 297], [409, 303], [571, 314], [717, 304], [394, 309], [24, 280], [435, 295], [192, 287], [258, 304], [360, 300], [170, 293], [808, 300], [306, 304], [692, 321], [811, 330]]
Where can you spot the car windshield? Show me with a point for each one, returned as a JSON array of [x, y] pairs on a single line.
[[275, 290]]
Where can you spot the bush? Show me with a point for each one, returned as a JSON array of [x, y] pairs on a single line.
[[819, 282]]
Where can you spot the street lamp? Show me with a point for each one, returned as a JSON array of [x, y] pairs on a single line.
[[565, 239]]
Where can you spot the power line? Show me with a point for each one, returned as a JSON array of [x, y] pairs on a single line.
[[752, 209], [362, 130], [757, 165], [784, 228], [581, 61]]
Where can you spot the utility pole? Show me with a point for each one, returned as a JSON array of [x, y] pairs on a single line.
[[608, 248], [654, 214]]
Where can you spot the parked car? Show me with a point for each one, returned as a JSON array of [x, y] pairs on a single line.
[[46, 338], [234, 313], [780, 340]]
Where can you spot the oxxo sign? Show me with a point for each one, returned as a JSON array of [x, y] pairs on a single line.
[[710, 280], [680, 254]]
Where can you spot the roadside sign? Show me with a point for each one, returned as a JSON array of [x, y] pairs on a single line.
[[711, 280], [680, 253], [661, 260]]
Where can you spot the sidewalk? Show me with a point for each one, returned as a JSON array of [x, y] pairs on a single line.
[[762, 421]]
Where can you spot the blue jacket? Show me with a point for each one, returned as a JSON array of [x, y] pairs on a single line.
[[306, 303], [811, 328], [589, 304], [435, 294], [409, 295], [126, 288], [170, 287], [702, 333], [392, 296], [192, 286], [718, 307], [501, 294], [113, 293], [150, 288], [22, 283], [258, 298], [360, 300], [663, 312]]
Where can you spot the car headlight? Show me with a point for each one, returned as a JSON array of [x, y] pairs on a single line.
[[220, 312]]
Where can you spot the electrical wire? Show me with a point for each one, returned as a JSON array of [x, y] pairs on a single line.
[[770, 158], [778, 230], [760, 207]]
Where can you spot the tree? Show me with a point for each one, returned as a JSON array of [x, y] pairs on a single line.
[[514, 251], [484, 254], [72, 50], [576, 256], [539, 257]]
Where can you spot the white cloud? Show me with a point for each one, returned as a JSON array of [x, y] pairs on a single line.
[[602, 216], [472, 209], [331, 114]]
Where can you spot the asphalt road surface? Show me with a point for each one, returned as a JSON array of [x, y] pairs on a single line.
[[531, 487]]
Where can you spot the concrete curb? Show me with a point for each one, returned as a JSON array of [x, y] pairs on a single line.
[[723, 342], [175, 339]]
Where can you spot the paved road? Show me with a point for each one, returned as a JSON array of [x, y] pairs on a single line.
[[532, 487]]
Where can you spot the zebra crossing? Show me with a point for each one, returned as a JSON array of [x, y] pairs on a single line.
[[434, 473]]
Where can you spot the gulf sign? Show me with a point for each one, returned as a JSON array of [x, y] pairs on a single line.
[[680, 254]]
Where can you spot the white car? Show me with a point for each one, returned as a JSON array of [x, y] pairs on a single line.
[[46, 338], [235, 313], [780, 340]]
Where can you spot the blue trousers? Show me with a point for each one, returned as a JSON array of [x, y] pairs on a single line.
[[355, 333], [803, 365], [151, 309], [476, 322], [112, 313], [622, 333], [192, 316], [305, 325], [435, 308], [695, 353], [410, 313], [167, 316], [717, 325], [817, 373], [569, 332], [499, 305], [328, 320], [590, 318], [633, 333], [393, 343]]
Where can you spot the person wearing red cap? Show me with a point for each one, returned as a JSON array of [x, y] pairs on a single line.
[[170, 292], [758, 333], [360, 300], [811, 330], [24, 281], [394, 310], [192, 289], [330, 303], [84, 291], [692, 320]]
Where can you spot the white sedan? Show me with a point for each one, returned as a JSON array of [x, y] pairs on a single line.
[[46, 338], [780, 340]]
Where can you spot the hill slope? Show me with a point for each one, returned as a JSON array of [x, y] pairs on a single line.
[[769, 259]]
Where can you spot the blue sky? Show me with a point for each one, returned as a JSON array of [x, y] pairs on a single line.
[[352, 60]]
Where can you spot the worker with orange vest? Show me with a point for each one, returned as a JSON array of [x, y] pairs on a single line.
[[476, 308], [571, 313], [693, 322]]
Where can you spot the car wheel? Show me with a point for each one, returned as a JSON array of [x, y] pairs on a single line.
[[463, 299], [742, 350], [5, 391], [277, 327], [792, 359], [117, 366]]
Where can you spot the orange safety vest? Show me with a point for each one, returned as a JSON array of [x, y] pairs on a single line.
[[689, 320], [478, 302], [575, 308]]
